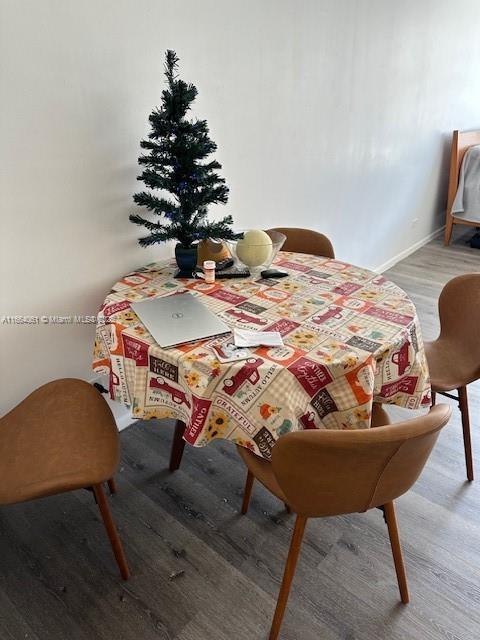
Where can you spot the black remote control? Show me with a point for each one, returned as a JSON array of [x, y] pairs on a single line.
[[224, 264], [273, 273], [229, 272]]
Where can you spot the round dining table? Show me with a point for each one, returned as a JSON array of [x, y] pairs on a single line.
[[351, 338]]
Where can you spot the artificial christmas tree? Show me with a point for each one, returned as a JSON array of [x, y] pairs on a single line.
[[176, 148]]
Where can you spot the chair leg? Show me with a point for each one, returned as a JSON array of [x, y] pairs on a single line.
[[288, 574], [178, 446], [389, 511], [111, 531], [112, 486], [247, 492], [448, 229], [467, 441]]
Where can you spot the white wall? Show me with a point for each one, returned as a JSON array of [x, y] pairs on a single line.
[[333, 114]]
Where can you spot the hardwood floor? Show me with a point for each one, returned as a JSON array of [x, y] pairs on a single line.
[[200, 571]]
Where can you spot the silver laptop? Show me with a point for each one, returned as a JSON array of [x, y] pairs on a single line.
[[178, 318]]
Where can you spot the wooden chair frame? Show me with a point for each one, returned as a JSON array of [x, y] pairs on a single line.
[[390, 518], [462, 399], [461, 141], [110, 527], [361, 470]]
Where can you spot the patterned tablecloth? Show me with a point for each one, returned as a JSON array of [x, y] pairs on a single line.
[[351, 338]]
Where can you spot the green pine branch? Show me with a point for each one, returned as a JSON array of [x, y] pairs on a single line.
[[156, 227], [219, 230], [157, 205], [155, 238], [154, 180]]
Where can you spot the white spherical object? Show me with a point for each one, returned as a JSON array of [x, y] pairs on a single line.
[[255, 248]]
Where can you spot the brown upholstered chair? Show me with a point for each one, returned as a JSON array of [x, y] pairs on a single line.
[[61, 437], [326, 472], [454, 357], [306, 241]]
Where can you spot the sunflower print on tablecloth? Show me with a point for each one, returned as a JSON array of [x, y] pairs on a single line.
[[217, 424], [305, 339]]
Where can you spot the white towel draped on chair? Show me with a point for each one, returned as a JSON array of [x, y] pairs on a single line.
[[467, 200]]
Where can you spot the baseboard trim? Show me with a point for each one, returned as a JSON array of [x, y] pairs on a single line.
[[406, 252]]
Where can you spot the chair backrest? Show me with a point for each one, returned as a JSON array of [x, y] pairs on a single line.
[[62, 436], [327, 472], [459, 311], [306, 241]]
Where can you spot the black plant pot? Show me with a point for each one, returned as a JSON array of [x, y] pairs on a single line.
[[186, 258]]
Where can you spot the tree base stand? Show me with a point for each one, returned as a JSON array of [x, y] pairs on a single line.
[[186, 258], [181, 273]]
